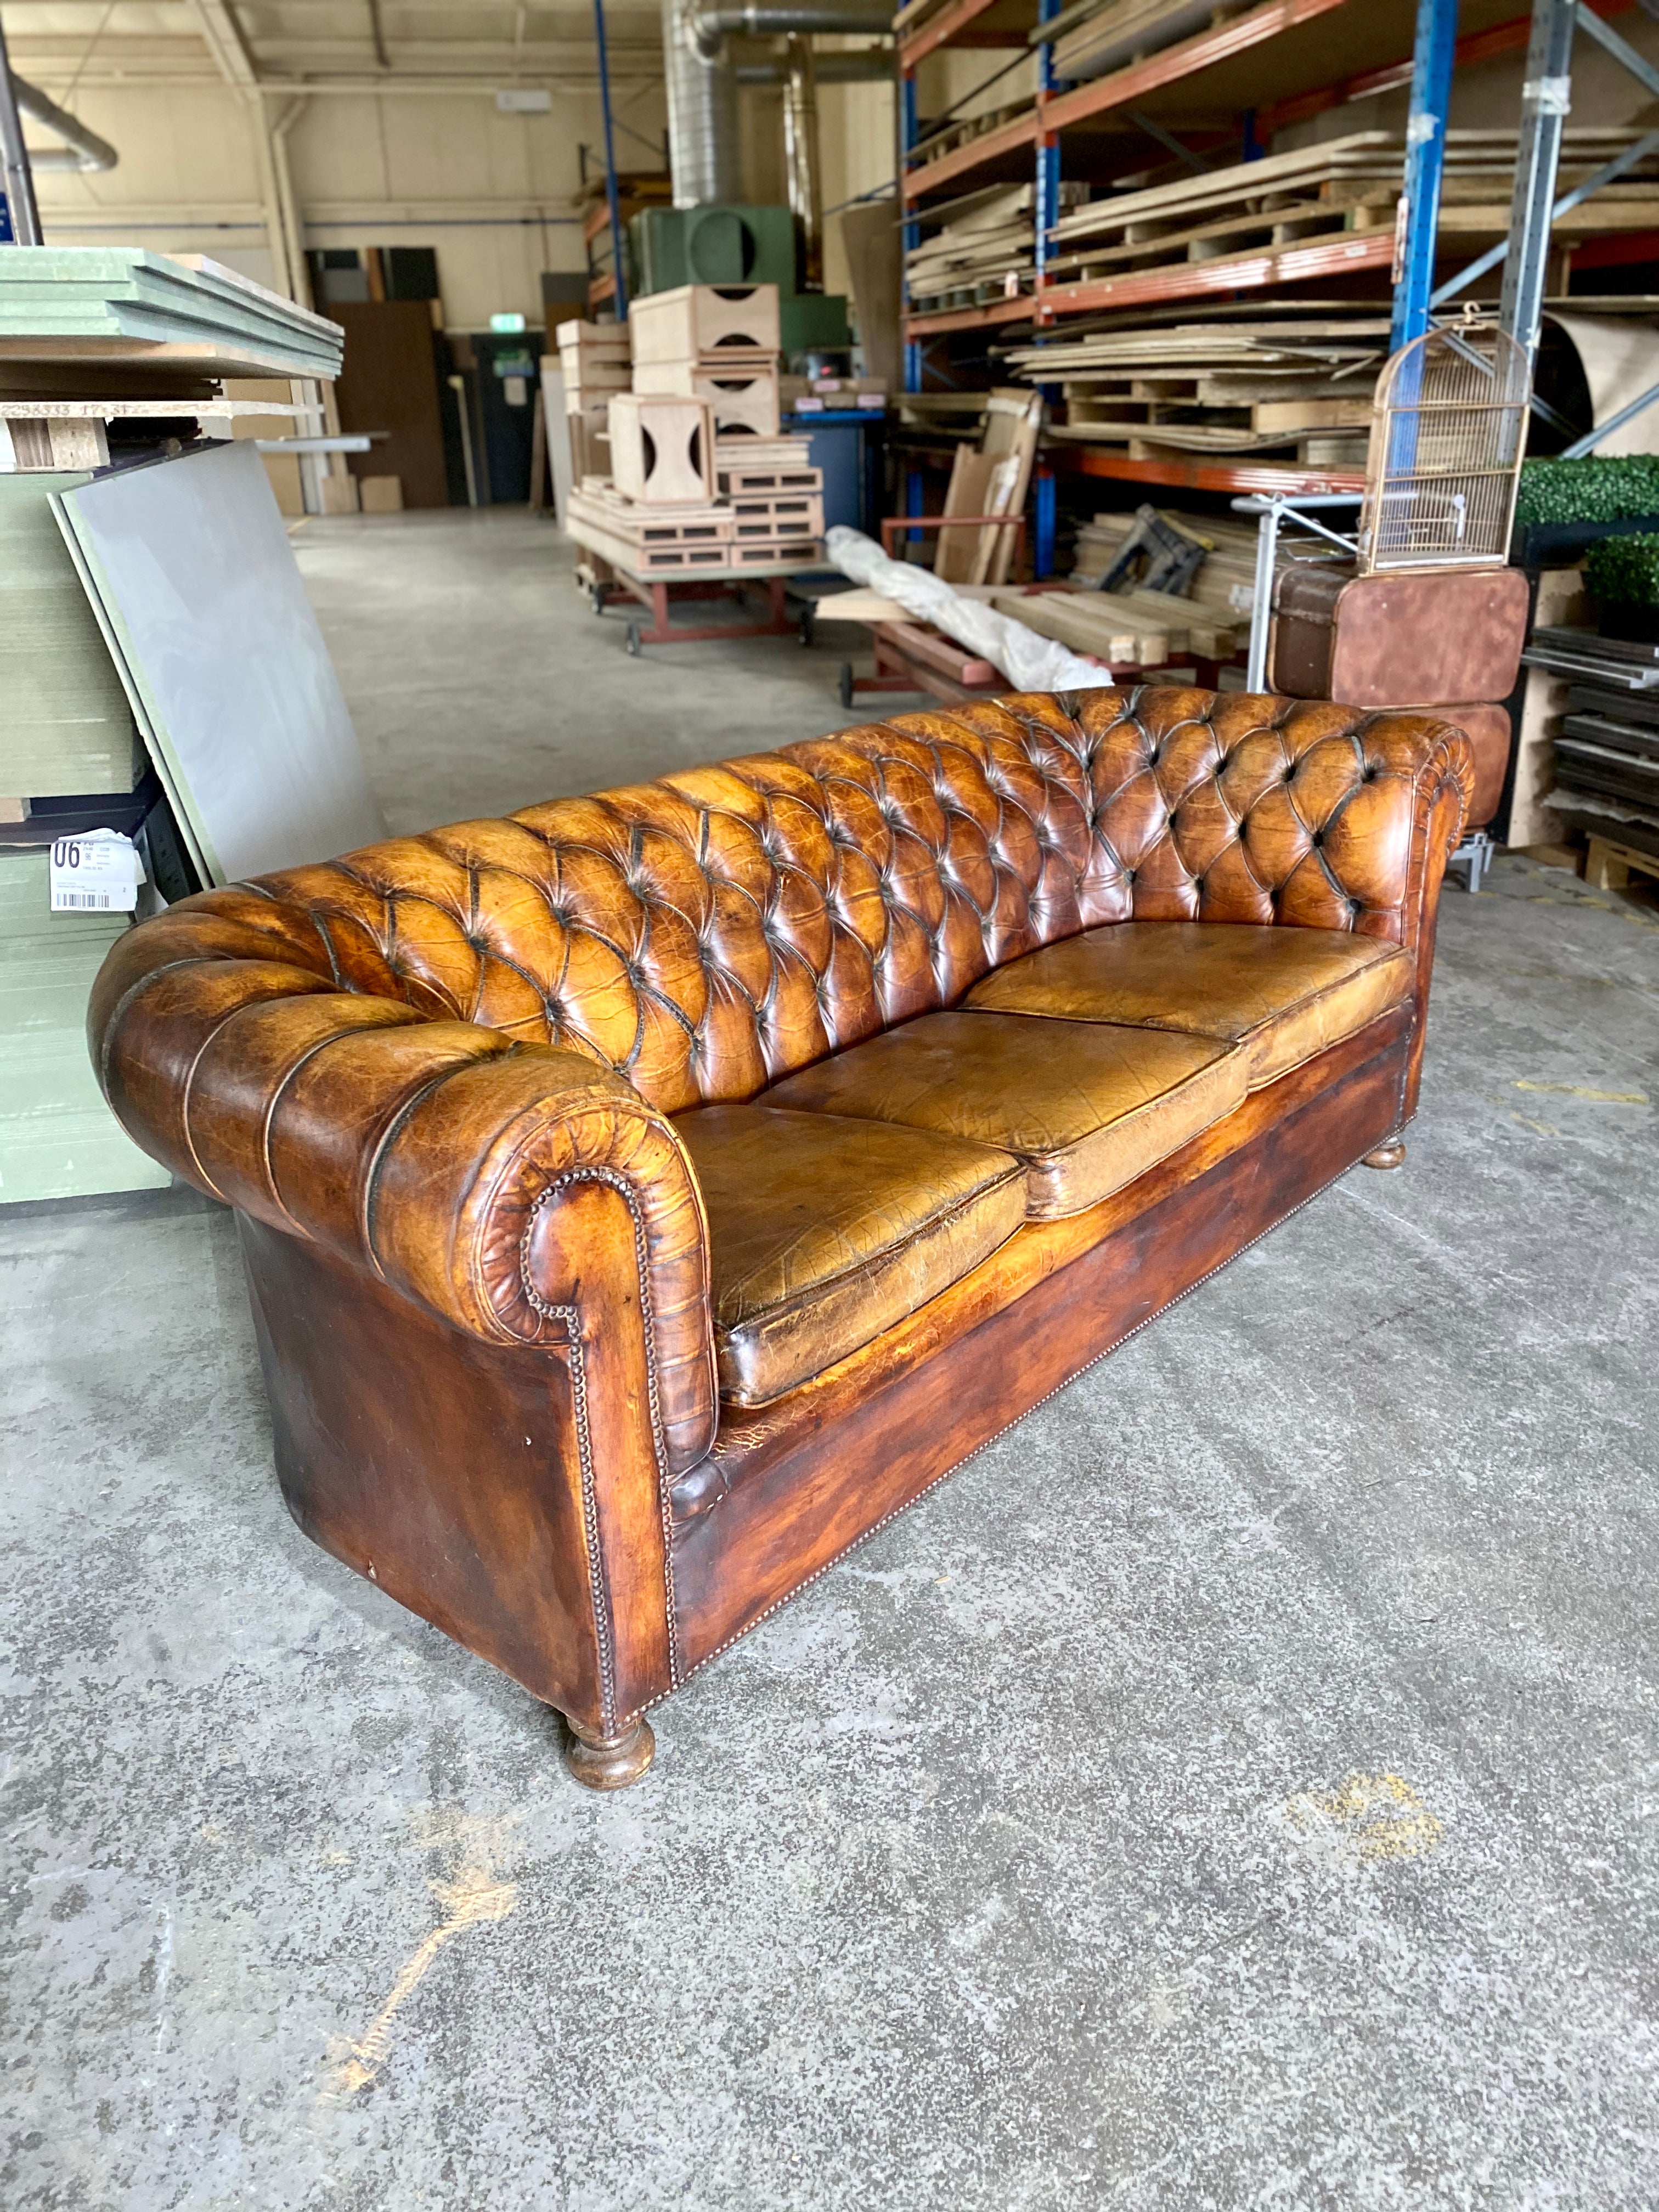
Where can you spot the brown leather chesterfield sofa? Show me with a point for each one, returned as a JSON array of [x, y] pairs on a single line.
[[647, 1196]]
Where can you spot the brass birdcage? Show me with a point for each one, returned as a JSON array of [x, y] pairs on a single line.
[[1448, 429]]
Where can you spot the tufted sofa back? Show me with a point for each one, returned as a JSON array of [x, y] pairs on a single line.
[[709, 932]]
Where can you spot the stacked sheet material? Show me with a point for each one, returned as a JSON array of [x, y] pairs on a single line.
[[65, 723], [57, 1138], [125, 303], [1606, 756]]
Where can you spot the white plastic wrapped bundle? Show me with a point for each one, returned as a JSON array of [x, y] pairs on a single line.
[[1029, 662]]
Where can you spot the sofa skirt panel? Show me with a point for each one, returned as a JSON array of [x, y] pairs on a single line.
[[791, 1487]]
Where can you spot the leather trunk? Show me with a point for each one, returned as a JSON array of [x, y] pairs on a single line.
[[1440, 635]]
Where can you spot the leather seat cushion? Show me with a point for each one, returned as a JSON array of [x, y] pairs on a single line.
[[1087, 1106], [1281, 993], [822, 1232]]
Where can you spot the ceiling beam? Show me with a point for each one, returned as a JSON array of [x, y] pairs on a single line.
[[227, 41]]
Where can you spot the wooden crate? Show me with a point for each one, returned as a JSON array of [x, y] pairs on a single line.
[[698, 319], [662, 448], [744, 400]]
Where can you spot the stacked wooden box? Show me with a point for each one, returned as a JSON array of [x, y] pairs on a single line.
[[716, 343], [597, 361], [700, 479]]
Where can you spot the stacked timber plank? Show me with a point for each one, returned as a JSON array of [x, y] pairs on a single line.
[[1139, 628], [1296, 383], [1221, 590], [126, 305]]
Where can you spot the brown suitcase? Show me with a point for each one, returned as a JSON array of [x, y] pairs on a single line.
[[1445, 635], [1487, 729]]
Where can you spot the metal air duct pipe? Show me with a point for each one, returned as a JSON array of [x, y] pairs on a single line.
[[82, 148], [704, 157], [704, 148], [800, 157], [871, 65], [755, 19]]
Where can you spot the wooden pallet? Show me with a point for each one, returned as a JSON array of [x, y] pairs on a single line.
[[777, 514], [1609, 866], [688, 525], [741, 479], [794, 552]]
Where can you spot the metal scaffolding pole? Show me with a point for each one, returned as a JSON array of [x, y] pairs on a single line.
[[1546, 99], [619, 277], [23, 224], [1425, 155]]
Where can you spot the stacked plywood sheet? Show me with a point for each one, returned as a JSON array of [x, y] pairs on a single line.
[[1340, 187], [1222, 588], [123, 304], [715, 343], [986, 251], [1288, 383]]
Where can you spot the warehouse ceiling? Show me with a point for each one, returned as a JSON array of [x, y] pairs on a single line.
[[103, 43]]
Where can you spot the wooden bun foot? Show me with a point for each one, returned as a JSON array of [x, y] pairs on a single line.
[[609, 1762], [1391, 1155]]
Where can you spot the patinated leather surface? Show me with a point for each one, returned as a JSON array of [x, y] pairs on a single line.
[[1282, 995], [825, 1231], [409, 1053], [1087, 1107]]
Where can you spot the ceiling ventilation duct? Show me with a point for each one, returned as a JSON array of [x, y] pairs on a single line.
[[704, 148], [82, 148]]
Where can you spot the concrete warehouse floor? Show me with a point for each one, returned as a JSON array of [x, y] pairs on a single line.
[[1235, 1788]]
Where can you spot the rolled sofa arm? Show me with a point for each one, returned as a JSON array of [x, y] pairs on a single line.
[[429, 1152]]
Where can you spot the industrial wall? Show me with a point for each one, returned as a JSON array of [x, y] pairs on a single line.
[[493, 193]]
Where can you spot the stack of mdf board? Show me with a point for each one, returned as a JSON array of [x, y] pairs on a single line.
[[1342, 185], [1301, 384], [109, 304], [597, 362], [189, 570], [986, 251], [716, 343], [57, 1138], [65, 724]]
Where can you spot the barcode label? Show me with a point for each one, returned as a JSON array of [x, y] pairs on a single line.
[[95, 874]]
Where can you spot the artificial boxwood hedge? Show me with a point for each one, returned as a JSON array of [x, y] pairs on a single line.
[[1624, 571], [1590, 490]]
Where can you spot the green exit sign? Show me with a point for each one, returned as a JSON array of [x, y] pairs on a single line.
[[508, 324]]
